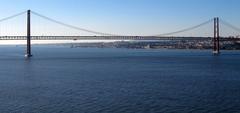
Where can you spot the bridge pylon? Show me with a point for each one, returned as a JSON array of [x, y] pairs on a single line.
[[28, 54], [216, 38]]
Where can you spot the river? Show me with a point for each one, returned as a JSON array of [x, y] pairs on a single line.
[[108, 80]]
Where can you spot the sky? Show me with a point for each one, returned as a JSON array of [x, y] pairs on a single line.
[[129, 17]]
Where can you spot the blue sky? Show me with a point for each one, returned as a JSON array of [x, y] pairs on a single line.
[[130, 17]]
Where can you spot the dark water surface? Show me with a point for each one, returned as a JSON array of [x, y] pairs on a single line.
[[90, 80]]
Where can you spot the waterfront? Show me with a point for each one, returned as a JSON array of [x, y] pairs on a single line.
[[133, 44], [109, 80]]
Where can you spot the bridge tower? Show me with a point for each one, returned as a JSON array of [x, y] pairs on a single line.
[[28, 54], [216, 42]]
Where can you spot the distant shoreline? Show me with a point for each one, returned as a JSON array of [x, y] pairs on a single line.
[[150, 44]]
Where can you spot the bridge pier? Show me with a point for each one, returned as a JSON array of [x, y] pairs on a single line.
[[28, 54], [216, 43]]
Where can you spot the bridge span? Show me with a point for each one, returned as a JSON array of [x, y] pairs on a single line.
[[215, 38], [116, 38]]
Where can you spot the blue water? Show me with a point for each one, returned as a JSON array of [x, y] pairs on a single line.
[[60, 79]]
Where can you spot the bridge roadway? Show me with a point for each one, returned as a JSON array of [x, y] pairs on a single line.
[[113, 38]]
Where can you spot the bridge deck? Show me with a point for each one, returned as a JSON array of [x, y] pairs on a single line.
[[112, 38]]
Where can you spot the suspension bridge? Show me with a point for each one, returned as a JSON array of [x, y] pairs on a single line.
[[214, 36]]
